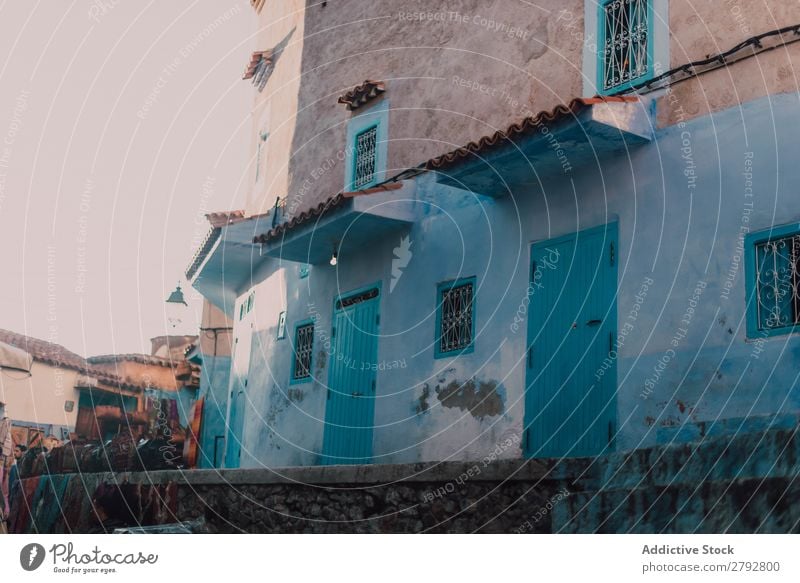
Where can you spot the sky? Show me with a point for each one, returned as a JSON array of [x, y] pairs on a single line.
[[121, 124]]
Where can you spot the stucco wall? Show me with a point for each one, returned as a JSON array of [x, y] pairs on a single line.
[[463, 69], [511, 49], [40, 398]]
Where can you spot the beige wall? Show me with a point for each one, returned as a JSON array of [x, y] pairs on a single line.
[[335, 47], [275, 108], [40, 398], [349, 41]]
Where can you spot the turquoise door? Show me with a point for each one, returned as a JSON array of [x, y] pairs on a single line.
[[350, 407], [570, 402]]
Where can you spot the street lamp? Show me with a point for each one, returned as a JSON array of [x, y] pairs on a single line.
[[177, 308]]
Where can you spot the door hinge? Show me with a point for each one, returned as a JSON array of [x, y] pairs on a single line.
[[527, 440], [611, 253], [533, 270], [333, 332], [373, 385], [530, 356], [610, 432]]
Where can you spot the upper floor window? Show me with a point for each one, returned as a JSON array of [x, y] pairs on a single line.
[[365, 157], [303, 351], [625, 43], [455, 325], [775, 281]]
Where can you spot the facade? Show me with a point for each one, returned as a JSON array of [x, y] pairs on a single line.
[[62, 396], [580, 237]]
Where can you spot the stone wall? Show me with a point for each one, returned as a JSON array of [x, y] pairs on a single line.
[[742, 483]]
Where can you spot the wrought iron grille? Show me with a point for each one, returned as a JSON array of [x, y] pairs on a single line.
[[456, 320], [303, 348], [625, 28], [371, 294], [366, 148], [778, 282]]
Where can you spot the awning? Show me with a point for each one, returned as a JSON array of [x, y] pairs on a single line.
[[347, 223], [13, 358], [546, 144]]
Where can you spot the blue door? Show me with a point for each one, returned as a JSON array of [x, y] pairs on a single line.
[[570, 401], [350, 408]]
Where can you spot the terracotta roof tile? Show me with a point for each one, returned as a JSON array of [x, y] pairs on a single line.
[[138, 358], [255, 60], [44, 351], [523, 127], [322, 208], [362, 94]]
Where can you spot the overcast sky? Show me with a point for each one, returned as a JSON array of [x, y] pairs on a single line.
[[121, 122]]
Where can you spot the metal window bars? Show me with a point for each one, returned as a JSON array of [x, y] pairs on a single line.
[[365, 153], [778, 283], [625, 47], [303, 347], [456, 320]]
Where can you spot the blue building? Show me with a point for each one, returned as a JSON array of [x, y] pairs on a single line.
[[466, 258]]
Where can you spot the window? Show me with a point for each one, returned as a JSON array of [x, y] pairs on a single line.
[[625, 46], [775, 282], [455, 322], [303, 350], [365, 157]]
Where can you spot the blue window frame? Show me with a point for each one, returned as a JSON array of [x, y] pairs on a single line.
[[302, 351], [773, 281], [625, 48], [367, 147], [455, 317]]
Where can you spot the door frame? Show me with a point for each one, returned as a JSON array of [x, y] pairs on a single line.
[[336, 298], [610, 374]]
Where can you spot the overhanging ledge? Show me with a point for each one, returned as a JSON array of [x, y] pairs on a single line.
[[346, 222], [549, 143]]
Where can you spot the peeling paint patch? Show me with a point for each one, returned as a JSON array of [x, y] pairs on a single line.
[[480, 398], [422, 403]]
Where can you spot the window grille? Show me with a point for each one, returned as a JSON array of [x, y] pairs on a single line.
[[303, 347], [456, 318], [625, 47], [365, 154], [778, 283]]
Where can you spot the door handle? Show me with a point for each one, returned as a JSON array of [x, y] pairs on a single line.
[[594, 322], [357, 395]]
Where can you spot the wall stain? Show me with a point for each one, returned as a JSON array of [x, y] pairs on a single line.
[[322, 360], [296, 395], [480, 398]]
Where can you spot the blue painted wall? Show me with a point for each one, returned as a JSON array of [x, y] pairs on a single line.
[[680, 203]]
